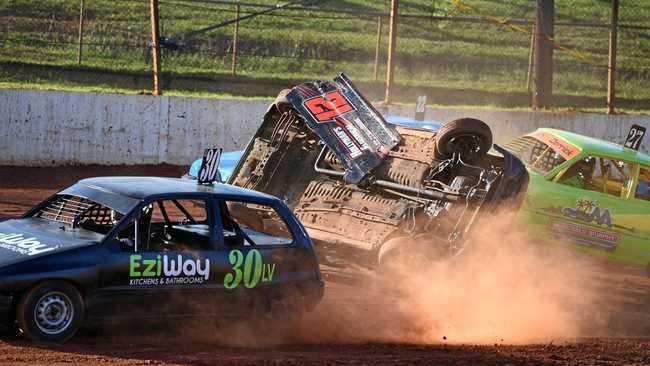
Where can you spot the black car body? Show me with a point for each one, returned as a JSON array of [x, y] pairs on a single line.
[[368, 191], [145, 247]]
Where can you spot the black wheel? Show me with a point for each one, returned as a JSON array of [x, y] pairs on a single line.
[[282, 314], [471, 138], [404, 255], [51, 312]]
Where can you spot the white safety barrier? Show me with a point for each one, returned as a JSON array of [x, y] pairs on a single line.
[[43, 128]]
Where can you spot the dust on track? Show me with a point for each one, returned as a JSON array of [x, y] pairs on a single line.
[[627, 301]]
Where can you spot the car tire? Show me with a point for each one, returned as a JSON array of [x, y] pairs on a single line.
[[471, 137], [647, 270], [281, 101], [50, 312], [282, 313], [402, 255]]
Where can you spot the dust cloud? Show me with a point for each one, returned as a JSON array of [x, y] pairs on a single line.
[[504, 289]]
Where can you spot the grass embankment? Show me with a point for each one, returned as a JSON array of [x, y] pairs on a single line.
[[474, 56]]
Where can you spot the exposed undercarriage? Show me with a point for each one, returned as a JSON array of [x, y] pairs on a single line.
[[413, 192]]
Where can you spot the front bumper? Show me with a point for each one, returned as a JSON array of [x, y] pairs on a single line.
[[6, 307]]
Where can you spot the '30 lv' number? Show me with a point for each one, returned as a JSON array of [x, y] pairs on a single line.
[[253, 272]]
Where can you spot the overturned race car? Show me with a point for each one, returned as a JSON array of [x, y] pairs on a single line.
[[370, 192], [124, 248]]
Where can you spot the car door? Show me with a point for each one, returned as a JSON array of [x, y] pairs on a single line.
[[638, 209], [585, 204], [258, 251], [160, 265]]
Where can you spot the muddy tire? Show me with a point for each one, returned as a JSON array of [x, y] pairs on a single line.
[[470, 137], [281, 101], [280, 105], [50, 312], [280, 314], [402, 255]]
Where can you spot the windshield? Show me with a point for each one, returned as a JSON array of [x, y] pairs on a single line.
[[80, 212], [536, 154]]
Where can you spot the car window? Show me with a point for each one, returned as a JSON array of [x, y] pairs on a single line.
[[599, 174], [169, 225], [539, 156], [643, 186], [253, 224]]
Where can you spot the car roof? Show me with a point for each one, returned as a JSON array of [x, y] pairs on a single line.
[[143, 187], [594, 146]]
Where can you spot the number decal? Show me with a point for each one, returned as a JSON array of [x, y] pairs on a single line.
[[420, 107], [327, 108], [252, 268], [254, 271], [236, 258], [634, 137], [209, 166]]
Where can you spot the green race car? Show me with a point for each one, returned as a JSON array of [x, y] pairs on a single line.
[[588, 192]]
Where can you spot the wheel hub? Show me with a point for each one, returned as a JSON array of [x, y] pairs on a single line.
[[467, 145], [53, 313]]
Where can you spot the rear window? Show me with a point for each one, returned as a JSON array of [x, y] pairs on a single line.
[[80, 212], [539, 156]]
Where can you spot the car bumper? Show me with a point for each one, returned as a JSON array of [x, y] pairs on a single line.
[[6, 306]]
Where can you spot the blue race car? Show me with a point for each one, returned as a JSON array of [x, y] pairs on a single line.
[[118, 248]]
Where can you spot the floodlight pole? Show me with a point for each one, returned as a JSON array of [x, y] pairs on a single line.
[[155, 47], [392, 34]]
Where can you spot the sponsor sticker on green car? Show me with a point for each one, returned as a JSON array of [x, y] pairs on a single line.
[[588, 192]]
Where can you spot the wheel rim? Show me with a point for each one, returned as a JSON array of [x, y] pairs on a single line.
[[467, 145], [53, 313]]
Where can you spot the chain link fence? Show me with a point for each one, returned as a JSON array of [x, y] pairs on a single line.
[[480, 48]]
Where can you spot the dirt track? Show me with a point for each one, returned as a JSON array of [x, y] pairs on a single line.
[[333, 334]]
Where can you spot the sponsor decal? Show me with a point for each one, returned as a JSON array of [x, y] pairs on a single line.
[[585, 235], [167, 270], [253, 272], [353, 149], [24, 245], [326, 108], [566, 149], [587, 210]]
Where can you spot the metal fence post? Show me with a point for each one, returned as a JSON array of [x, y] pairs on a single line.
[[611, 66], [377, 47], [544, 54], [531, 60], [81, 31], [392, 34], [155, 47], [235, 41]]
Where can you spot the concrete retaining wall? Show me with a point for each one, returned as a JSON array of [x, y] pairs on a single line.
[[41, 128], [507, 125]]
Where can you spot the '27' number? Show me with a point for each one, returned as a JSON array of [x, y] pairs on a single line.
[[251, 273]]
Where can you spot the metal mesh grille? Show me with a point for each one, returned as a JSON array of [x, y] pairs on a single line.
[[65, 209]]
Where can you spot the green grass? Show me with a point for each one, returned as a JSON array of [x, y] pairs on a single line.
[[311, 45]]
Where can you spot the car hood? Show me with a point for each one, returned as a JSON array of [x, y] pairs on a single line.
[[23, 239]]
